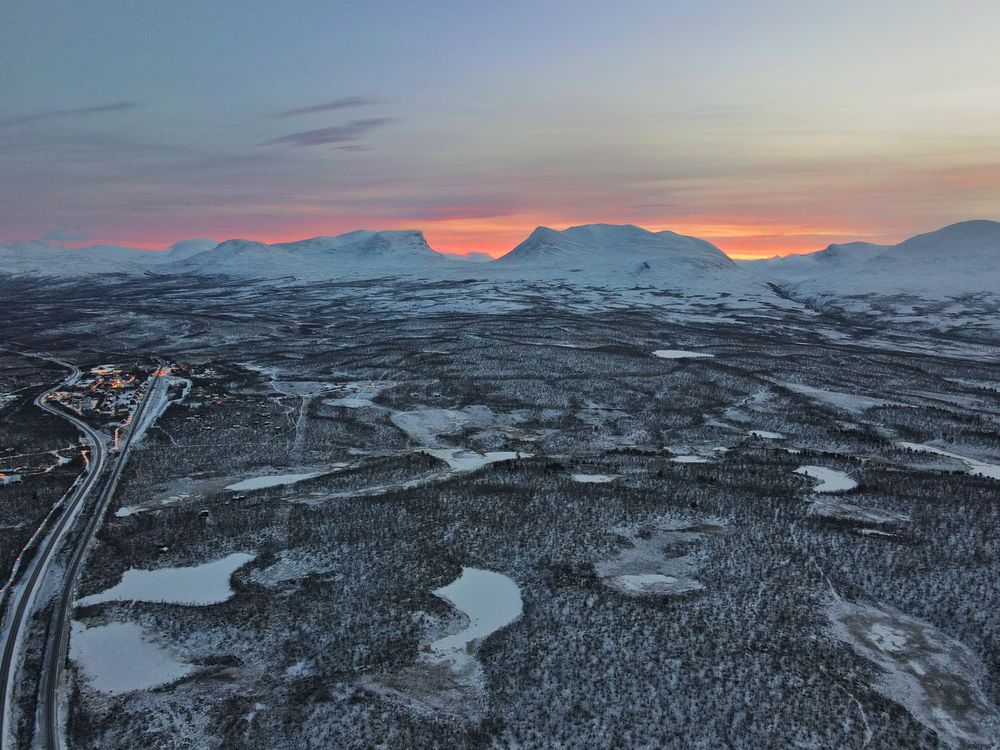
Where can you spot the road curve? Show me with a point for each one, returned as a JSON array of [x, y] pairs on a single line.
[[23, 595], [49, 704]]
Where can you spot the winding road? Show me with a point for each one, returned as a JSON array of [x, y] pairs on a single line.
[[94, 481]]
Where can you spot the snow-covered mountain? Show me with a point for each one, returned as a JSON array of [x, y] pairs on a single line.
[[832, 258], [241, 258], [38, 258], [957, 260], [360, 253], [606, 254], [473, 257]]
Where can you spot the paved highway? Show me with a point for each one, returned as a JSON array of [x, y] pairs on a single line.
[[96, 482]]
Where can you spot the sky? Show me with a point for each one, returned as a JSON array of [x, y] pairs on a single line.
[[766, 128]]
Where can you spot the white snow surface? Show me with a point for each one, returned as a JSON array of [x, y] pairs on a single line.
[[197, 585]]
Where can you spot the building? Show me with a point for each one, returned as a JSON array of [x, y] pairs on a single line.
[[6, 479]]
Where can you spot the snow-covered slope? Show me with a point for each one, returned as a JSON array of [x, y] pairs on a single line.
[[241, 258], [44, 259], [834, 258], [957, 260], [602, 254], [361, 253]]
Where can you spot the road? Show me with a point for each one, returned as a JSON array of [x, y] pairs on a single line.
[[96, 481]]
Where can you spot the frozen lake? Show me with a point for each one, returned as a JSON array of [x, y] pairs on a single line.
[[195, 585], [767, 434], [830, 480], [349, 402], [490, 601], [975, 466], [594, 478], [117, 658], [681, 354], [461, 460], [274, 480]]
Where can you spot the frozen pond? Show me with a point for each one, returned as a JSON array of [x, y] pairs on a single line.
[[767, 435], [117, 658], [349, 402], [681, 354], [424, 424], [830, 480], [196, 585], [594, 478], [975, 466], [690, 460], [490, 601], [462, 460], [274, 480]]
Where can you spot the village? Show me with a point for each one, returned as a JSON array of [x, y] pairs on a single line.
[[106, 392]]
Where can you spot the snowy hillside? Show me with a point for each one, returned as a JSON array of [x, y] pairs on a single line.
[[604, 254], [835, 258], [360, 253], [957, 260], [44, 259]]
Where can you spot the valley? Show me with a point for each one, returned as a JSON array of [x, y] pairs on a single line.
[[674, 550]]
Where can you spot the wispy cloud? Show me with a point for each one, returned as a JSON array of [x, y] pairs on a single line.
[[57, 114], [347, 102], [346, 133]]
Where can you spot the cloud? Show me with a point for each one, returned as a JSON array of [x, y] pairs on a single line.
[[345, 103], [346, 133], [61, 235], [56, 114]]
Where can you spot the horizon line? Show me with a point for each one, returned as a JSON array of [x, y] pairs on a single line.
[[708, 236]]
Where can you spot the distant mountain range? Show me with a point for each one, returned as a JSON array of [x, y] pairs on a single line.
[[957, 260]]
